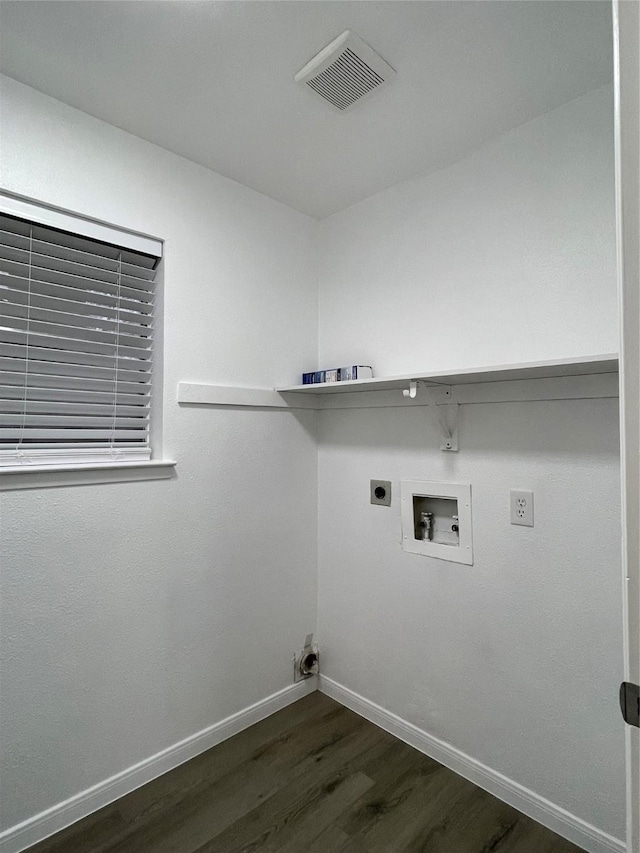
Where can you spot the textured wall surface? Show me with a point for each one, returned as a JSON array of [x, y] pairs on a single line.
[[507, 256], [517, 659], [136, 614]]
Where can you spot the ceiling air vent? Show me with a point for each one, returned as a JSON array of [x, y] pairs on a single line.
[[345, 71]]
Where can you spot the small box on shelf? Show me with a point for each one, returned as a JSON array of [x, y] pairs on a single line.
[[338, 374]]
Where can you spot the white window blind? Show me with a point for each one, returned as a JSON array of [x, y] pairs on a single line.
[[76, 346]]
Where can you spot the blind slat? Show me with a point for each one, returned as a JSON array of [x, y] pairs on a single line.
[[87, 266], [11, 298], [108, 419], [68, 363], [55, 325], [69, 346], [15, 394], [74, 410], [18, 241], [70, 435], [18, 303], [81, 295], [82, 282], [8, 376]]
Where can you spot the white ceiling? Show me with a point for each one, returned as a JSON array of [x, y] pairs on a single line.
[[213, 81]]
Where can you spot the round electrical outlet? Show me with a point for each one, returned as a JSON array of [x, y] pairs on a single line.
[[381, 492]]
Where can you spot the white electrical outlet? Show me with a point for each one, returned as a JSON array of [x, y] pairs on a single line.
[[521, 508]]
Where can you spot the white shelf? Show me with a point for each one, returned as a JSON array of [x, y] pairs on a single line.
[[584, 366]]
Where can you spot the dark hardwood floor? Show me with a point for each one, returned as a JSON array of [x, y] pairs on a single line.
[[313, 778]]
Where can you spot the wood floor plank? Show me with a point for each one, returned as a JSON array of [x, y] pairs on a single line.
[[473, 822], [167, 792], [353, 846], [330, 840], [82, 836], [313, 778], [477, 822], [395, 774], [297, 836], [537, 839], [208, 809], [295, 801], [223, 758], [424, 805]]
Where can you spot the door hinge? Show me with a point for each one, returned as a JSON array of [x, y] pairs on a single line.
[[630, 703]]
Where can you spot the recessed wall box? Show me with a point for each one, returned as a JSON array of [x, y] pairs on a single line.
[[436, 520]]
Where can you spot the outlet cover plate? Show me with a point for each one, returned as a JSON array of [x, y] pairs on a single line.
[[521, 508], [380, 486]]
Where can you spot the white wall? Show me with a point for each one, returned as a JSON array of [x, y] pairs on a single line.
[[506, 256], [133, 612], [516, 660], [136, 614]]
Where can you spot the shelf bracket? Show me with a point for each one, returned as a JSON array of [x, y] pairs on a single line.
[[412, 390], [447, 410]]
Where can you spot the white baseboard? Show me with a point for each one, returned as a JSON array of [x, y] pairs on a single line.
[[41, 826], [548, 814]]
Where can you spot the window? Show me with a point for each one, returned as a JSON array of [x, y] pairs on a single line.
[[77, 309]]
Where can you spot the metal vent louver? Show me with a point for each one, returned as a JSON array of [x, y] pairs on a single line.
[[345, 72]]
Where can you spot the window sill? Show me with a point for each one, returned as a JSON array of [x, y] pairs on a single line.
[[45, 476]]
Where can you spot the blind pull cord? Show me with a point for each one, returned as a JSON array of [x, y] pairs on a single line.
[[23, 458], [114, 452]]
